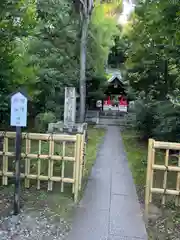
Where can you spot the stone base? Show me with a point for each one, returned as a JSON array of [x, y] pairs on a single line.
[[55, 127], [60, 127]]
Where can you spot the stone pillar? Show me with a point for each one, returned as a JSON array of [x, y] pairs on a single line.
[[70, 106]]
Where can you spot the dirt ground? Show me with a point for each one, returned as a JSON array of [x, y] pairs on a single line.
[[163, 222], [44, 216]]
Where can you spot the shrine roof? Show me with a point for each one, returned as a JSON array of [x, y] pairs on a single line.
[[115, 76]]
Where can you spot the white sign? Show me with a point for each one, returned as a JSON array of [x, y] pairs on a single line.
[[18, 110]]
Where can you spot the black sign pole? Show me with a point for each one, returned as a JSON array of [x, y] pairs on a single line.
[[17, 172]]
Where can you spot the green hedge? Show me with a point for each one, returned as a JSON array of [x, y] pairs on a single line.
[[158, 119]]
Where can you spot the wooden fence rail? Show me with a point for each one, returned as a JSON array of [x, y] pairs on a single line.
[[154, 146], [45, 158]]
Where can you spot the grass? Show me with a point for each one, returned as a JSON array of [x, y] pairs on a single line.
[[165, 225], [59, 203], [58, 149], [95, 136], [137, 156]]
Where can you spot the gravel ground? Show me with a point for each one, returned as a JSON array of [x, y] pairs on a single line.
[[41, 225], [164, 223], [42, 215]]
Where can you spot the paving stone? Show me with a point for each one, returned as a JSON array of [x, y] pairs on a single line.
[[109, 209], [119, 185], [126, 217], [94, 194], [93, 225]]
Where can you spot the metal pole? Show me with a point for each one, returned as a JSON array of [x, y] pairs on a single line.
[[17, 172]]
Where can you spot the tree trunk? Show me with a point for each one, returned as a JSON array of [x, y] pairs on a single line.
[[166, 77], [83, 52]]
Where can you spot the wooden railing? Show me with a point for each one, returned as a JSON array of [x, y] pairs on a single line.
[[45, 158], [169, 148]]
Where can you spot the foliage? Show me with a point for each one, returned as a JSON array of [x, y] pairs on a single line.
[[101, 39], [158, 119], [152, 56], [112, 8], [54, 52], [144, 117], [153, 66], [26, 73], [40, 45], [117, 55], [167, 121], [17, 19], [43, 119], [136, 155]]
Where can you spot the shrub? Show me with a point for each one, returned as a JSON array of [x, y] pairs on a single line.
[[145, 122], [168, 122], [43, 119], [158, 119]]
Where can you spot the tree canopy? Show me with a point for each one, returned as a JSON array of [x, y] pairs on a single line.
[[39, 49], [17, 21], [152, 63]]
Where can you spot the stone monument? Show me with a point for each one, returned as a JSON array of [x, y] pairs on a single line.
[[70, 106], [69, 126]]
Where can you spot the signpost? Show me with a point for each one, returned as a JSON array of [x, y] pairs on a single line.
[[18, 120]]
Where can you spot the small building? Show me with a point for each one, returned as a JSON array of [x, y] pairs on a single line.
[[115, 94]]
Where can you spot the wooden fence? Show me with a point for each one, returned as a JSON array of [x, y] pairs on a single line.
[[171, 149], [45, 158]]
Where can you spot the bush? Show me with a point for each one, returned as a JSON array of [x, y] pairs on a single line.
[[158, 119], [168, 122], [145, 122], [43, 119]]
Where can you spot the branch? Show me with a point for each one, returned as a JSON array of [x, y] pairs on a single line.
[[87, 6], [90, 6], [84, 6]]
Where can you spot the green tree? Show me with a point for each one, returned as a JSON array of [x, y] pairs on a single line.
[[55, 52], [103, 28], [40, 50], [153, 65], [85, 8], [17, 19], [152, 46]]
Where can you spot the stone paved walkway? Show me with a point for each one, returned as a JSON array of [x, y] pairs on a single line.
[[109, 209]]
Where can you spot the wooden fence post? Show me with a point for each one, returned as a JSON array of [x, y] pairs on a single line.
[[84, 150], [148, 176], [52, 157], [165, 177], [152, 172], [27, 162], [178, 183], [77, 166], [5, 161], [81, 160]]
